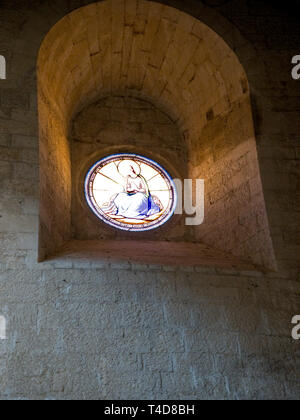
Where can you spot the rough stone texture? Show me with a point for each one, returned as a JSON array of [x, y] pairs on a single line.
[[97, 330]]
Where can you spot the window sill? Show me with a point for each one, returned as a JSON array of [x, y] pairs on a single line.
[[149, 252]]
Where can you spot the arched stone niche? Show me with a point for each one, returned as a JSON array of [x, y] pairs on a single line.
[[118, 124], [121, 50]]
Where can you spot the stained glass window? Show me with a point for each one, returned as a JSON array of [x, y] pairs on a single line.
[[130, 192]]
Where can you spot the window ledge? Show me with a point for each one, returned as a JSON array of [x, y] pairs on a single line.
[[150, 252]]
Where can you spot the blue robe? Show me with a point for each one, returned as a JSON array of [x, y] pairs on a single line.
[[136, 205]]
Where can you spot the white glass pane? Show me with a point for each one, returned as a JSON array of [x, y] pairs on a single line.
[[106, 184], [131, 191], [158, 183]]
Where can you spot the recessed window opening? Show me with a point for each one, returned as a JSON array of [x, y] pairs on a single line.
[[130, 192]]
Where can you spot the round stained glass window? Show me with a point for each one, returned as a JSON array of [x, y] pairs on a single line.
[[130, 192]]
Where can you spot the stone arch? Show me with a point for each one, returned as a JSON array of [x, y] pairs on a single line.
[[150, 51]]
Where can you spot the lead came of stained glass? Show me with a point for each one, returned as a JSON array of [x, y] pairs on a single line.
[[130, 192]]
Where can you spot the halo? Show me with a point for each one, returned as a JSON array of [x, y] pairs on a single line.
[[125, 167]]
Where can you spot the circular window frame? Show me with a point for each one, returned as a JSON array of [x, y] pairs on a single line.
[[94, 207]]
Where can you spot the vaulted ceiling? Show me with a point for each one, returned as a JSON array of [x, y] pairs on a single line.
[[155, 51]]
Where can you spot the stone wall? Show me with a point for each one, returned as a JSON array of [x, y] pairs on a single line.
[[128, 331]]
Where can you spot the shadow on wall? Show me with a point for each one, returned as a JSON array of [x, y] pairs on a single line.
[[158, 53]]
